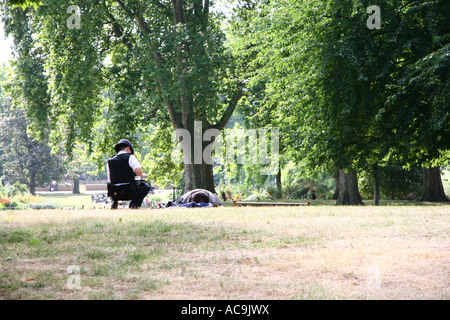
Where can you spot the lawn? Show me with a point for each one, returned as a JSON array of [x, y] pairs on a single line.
[[83, 200], [316, 252]]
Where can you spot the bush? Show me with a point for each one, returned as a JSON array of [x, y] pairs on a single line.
[[17, 189], [28, 198], [16, 196], [295, 191], [13, 190], [234, 191], [43, 205], [274, 192], [7, 204]]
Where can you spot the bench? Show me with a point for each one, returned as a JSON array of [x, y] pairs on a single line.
[[268, 204]]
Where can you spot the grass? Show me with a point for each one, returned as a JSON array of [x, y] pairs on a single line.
[[77, 201], [84, 200], [317, 252]]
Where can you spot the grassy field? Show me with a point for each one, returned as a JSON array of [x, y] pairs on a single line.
[[69, 200], [84, 200], [317, 252]]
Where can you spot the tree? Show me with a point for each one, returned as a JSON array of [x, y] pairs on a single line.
[[165, 56], [5, 104], [27, 156], [432, 185], [76, 165], [422, 98], [315, 66], [340, 82], [348, 189], [26, 159], [395, 180]]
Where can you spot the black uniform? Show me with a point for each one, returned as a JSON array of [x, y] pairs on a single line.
[[122, 185]]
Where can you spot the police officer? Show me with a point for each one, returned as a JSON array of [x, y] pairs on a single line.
[[122, 170]]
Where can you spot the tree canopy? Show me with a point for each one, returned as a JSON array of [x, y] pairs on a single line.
[[351, 86], [154, 60], [356, 95]]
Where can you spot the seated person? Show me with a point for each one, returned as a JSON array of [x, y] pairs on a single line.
[[122, 170]]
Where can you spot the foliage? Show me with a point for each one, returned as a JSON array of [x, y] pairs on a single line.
[[395, 182], [26, 159], [6, 204], [346, 96], [130, 63], [13, 196], [421, 130], [13, 190], [342, 95], [158, 160], [43, 205]]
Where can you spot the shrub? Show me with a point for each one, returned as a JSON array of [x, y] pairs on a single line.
[[7, 204], [28, 198], [43, 205], [274, 192]]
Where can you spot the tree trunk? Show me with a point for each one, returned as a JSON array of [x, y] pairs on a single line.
[[198, 163], [348, 189], [278, 177], [32, 189], [199, 176], [433, 190], [76, 185], [376, 176], [32, 184], [336, 182]]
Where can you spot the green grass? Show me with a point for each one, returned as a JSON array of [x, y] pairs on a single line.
[[84, 200], [66, 200], [317, 252]]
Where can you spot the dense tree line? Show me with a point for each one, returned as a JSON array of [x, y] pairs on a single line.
[[359, 97], [353, 88]]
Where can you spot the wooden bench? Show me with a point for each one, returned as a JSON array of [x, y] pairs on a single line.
[[268, 204]]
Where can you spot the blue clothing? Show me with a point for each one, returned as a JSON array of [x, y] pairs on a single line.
[[193, 205]]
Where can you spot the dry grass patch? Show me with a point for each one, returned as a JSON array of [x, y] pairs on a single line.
[[227, 253]]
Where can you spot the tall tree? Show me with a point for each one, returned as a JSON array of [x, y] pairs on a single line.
[[25, 158], [314, 63], [161, 56], [339, 80], [5, 103], [416, 115]]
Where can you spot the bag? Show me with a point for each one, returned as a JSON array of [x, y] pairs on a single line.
[[124, 192]]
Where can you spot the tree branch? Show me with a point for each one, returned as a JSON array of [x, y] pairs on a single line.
[[137, 16], [159, 4], [178, 15], [117, 28], [122, 5], [230, 109]]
